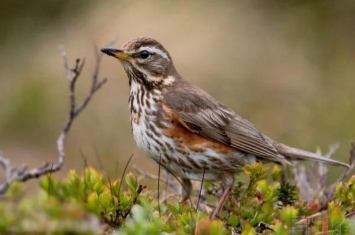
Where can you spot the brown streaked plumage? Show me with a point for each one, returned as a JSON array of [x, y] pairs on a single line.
[[189, 139], [187, 130]]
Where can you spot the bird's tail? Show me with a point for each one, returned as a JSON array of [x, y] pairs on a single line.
[[298, 154]]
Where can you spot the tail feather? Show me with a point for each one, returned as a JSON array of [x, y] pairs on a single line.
[[298, 154]]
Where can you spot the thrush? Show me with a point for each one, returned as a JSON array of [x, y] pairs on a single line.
[[186, 130]]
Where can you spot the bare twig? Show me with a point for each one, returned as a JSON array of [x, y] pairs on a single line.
[[97, 155], [200, 196], [329, 193], [158, 196], [124, 172], [23, 174], [312, 182]]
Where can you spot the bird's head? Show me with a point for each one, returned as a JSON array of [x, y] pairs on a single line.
[[145, 61]]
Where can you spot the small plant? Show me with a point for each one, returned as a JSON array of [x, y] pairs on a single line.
[[287, 195], [97, 194], [345, 195]]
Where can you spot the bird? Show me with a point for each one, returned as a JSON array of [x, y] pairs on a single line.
[[186, 130]]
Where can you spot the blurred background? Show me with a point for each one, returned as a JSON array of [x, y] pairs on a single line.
[[287, 66]]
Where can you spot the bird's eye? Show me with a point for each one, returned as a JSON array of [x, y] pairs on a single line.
[[144, 54]]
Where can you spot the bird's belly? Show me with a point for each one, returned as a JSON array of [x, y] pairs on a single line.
[[140, 135], [192, 162]]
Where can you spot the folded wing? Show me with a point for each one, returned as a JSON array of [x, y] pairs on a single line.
[[204, 115]]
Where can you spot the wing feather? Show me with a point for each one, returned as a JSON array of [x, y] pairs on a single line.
[[204, 115]]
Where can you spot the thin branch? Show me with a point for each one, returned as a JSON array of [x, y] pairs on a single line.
[[158, 196], [312, 182], [97, 155], [22, 174], [329, 193], [123, 174], [201, 187]]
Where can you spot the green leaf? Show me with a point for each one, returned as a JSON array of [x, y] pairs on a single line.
[[172, 208], [132, 183], [93, 202], [276, 173], [115, 188], [98, 187], [105, 199], [288, 214], [50, 185], [217, 228], [125, 201], [248, 229], [233, 220]]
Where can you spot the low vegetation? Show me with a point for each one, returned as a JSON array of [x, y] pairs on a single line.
[[94, 204]]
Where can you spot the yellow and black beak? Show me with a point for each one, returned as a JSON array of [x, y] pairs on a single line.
[[115, 53]]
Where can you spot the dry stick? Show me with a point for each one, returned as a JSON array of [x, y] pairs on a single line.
[[159, 183], [22, 174], [322, 167], [305, 179], [199, 194], [97, 155], [124, 172], [85, 160], [85, 166], [351, 161], [308, 183], [119, 189], [330, 191], [312, 181]]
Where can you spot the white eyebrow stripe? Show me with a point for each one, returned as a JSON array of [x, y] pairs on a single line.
[[155, 50]]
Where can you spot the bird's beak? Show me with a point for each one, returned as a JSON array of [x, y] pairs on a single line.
[[115, 53]]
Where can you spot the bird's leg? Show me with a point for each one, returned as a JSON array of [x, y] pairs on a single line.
[[228, 182], [186, 190]]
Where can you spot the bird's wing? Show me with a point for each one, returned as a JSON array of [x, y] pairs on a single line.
[[204, 115]]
